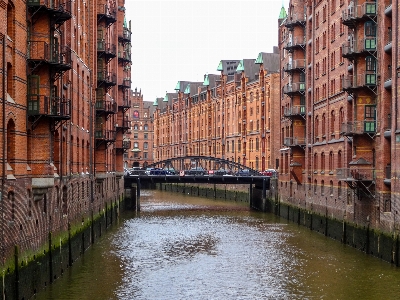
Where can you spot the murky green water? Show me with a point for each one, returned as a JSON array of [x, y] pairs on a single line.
[[182, 247]]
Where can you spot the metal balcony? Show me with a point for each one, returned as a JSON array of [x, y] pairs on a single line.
[[295, 20], [296, 110], [106, 79], [294, 142], [106, 50], [122, 145], [356, 174], [105, 13], [358, 128], [359, 81], [55, 107], [104, 136], [294, 88], [354, 14], [126, 83], [365, 46], [106, 107], [124, 104], [124, 56], [125, 36], [57, 57], [295, 65], [123, 124], [295, 42], [58, 10]]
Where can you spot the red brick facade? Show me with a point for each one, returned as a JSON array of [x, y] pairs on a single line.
[[65, 100], [227, 116], [338, 108]]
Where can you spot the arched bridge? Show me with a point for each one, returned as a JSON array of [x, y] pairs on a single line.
[[205, 162]]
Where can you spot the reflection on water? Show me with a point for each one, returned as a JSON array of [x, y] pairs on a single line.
[[181, 247]]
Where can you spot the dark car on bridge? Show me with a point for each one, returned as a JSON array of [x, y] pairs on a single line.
[[159, 172], [199, 171], [244, 172]]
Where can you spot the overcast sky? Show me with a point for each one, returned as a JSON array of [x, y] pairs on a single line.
[[182, 40]]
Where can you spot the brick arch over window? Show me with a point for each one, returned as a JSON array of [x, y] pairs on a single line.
[[11, 143]]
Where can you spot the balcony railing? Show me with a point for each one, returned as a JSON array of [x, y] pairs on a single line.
[[125, 103], [105, 106], [106, 48], [55, 107], [294, 141], [106, 13], [296, 110], [358, 127], [124, 56], [359, 81], [126, 35], [123, 123], [124, 145], [59, 10], [126, 83], [298, 64], [296, 41], [53, 54], [106, 78], [104, 134], [359, 12], [356, 174], [365, 45], [298, 87], [295, 19]]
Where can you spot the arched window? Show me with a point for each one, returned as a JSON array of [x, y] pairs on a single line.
[[135, 127], [146, 127]]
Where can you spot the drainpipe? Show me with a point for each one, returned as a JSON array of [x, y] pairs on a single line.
[[3, 159]]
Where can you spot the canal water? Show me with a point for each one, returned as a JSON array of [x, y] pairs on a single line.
[[181, 247]]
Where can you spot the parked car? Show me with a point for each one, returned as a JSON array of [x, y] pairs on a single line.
[[199, 171], [270, 173], [158, 171], [221, 172], [244, 172]]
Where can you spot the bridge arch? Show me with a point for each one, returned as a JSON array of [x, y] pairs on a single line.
[[206, 162]]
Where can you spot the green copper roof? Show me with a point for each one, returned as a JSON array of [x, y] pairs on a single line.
[[125, 24], [259, 59], [165, 98], [240, 66], [187, 90], [178, 86], [220, 67], [282, 14], [155, 103], [206, 81]]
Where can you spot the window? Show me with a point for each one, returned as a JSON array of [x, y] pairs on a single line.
[[145, 155], [145, 145], [135, 127], [135, 145], [146, 127]]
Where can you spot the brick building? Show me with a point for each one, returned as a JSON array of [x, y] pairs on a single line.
[[140, 153], [228, 115], [65, 99], [339, 103]]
